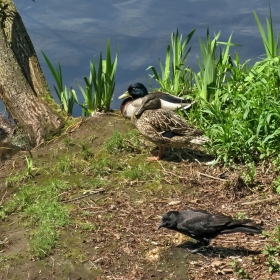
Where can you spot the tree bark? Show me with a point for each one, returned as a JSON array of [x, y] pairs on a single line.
[[23, 88]]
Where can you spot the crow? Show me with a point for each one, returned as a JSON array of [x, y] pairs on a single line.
[[203, 226]]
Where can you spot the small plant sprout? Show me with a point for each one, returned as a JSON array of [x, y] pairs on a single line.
[[29, 161], [272, 250]]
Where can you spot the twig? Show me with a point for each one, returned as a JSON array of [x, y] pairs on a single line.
[[212, 177], [88, 194], [3, 197], [259, 201]]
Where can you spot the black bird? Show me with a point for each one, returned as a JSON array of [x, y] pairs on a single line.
[[203, 226]]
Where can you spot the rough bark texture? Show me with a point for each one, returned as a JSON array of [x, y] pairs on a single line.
[[23, 88]]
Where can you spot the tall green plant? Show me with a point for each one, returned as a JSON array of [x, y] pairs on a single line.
[[213, 69], [270, 43], [66, 97], [175, 77], [100, 85]]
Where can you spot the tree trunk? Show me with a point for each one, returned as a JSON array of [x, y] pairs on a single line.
[[23, 88]]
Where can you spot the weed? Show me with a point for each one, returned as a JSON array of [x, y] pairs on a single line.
[[270, 43], [178, 80], [250, 174], [104, 166], [88, 226], [86, 152], [66, 97], [42, 209], [242, 215], [240, 271], [123, 142], [43, 239], [69, 142], [272, 250], [29, 161], [140, 172], [100, 85], [276, 184], [16, 180], [213, 70]]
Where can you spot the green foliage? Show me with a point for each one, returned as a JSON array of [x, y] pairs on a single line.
[[100, 85], [104, 166], [178, 80], [42, 208], [276, 184], [123, 142], [272, 250], [86, 152], [213, 70], [140, 172], [88, 226], [43, 239], [270, 43], [29, 162], [244, 118], [239, 271], [67, 98]]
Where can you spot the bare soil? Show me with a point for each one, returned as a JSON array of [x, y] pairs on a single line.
[[125, 242]]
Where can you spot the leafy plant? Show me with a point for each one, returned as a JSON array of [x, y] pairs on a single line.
[[100, 85], [276, 184], [270, 43], [243, 119], [176, 80], [272, 250], [213, 70], [67, 98], [240, 271], [29, 162]]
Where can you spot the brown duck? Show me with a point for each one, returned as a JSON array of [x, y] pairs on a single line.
[[163, 127]]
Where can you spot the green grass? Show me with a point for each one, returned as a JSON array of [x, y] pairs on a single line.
[[243, 120], [272, 249], [123, 142], [42, 210], [141, 172]]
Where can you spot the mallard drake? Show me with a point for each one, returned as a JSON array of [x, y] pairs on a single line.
[[137, 91], [163, 127]]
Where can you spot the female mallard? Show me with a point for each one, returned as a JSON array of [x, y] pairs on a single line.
[[163, 127], [137, 91]]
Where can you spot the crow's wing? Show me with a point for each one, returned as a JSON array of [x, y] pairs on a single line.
[[199, 222]]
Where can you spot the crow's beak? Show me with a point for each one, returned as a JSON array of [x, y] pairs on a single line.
[[126, 94], [161, 225]]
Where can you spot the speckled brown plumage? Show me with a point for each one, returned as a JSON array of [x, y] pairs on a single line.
[[163, 127]]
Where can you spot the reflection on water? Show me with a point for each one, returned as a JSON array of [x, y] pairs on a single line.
[[72, 32]]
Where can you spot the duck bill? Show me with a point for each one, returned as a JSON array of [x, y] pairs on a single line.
[[126, 94], [161, 225]]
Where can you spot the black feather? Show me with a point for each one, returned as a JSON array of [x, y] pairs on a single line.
[[203, 226]]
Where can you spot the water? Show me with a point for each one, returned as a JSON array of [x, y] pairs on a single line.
[[72, 32]]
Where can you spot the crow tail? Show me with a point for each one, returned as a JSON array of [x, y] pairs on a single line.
[[244, 229]]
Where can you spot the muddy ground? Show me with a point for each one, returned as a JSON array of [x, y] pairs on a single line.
[[124, 242]]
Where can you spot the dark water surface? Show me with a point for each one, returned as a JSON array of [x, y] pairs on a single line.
[[72, 32]]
